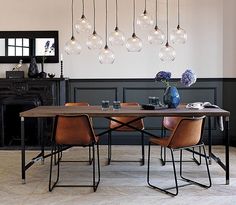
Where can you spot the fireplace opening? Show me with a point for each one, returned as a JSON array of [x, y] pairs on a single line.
[[11, 130]]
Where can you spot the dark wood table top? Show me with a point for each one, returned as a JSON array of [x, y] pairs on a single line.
[[96, 111]]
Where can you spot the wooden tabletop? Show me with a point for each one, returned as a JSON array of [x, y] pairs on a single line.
[[96, 111]]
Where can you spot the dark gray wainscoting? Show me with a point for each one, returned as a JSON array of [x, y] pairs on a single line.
[[94, 91]]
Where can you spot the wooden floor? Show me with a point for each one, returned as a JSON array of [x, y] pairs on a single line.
[[121, 183]]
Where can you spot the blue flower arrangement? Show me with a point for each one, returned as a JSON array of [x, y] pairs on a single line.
[[188, 78]]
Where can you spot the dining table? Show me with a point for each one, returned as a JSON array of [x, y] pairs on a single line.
[[42, 112]]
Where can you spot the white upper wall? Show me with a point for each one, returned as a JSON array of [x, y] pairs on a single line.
[[202, 19]]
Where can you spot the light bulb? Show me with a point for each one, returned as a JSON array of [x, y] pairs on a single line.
[[83, 25], [106, 56], [94, 41], [167, 53], [72, 47], [145, 21], [134, 44], [178, 36], [117, 38], [156, 36]]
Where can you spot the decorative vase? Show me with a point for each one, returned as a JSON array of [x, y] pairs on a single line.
[[33, 68], [42, 74], [171, 97]]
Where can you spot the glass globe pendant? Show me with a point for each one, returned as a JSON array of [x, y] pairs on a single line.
[[117, 38], [134, 44], [94, 41], [167, 53], [178, 35], [145, 21], [83, 24], [72, 47], [106, 56], [156, 36]]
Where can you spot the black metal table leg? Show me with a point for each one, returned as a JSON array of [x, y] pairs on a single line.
[[23, 149], [209, 139], [226, 136]]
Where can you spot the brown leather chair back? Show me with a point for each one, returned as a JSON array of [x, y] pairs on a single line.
[[138, 124], [73, 130], [77, 104], [171, 122], [187, 133]]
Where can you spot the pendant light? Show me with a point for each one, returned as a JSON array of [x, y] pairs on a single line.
[[83, 24], [134, 44], [145, 20], [117, 37], [156, 36], [179, 35], [94, 41], [106, 56], [167, 53], [72, 46]]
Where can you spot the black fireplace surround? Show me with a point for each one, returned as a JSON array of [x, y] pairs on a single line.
[[17, 95]]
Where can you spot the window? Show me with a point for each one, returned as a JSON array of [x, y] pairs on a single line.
[[18, 47]]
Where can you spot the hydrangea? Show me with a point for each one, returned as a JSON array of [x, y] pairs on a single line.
[[188, 78], [164, 77]]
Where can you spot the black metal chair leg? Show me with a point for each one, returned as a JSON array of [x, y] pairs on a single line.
[[194, 182], [109, 148], [143, 155], [90, 160]]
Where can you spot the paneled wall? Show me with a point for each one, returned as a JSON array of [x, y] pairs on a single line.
[[94, 91]]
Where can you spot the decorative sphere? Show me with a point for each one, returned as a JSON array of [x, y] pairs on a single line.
[[106, 56], [117, 38], [134, 44], [178, 36], [156, 36], [83, 25], [94, 41], [72, 47], [145, 21], [167, 53]]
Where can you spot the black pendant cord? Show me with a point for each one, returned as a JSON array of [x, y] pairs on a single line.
[[178, 26], [116, 15], [82, 8], [106, 28], [167, 22], [133, 17], [145, 7], [156, 15], [94, 17], [72, 20]]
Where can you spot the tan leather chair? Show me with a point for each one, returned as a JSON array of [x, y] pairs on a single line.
[[137, 124], [73, 131], [81, 104], [186, 135]]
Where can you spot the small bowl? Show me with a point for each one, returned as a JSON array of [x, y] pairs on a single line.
[[51, 75]]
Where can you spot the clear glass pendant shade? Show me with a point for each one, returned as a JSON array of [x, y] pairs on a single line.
[[178, 36], [117, 38], [167, 53], [83, 25], [94, 41], [145, 21], [72, 47], [106, 56], [156, 36], [134, 44]]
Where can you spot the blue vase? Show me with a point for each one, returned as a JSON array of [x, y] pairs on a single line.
[[171, 97]]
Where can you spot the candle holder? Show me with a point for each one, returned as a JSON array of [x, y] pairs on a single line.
[[61, 76]]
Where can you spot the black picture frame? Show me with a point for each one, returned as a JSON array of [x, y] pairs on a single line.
[[32, 35]]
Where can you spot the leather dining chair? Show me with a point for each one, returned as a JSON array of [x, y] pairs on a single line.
[[186, 135], [137, 124], [71, 131], [81, 104], [168, 125]]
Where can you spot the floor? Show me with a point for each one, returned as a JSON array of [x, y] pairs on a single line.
[[121, 183]]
